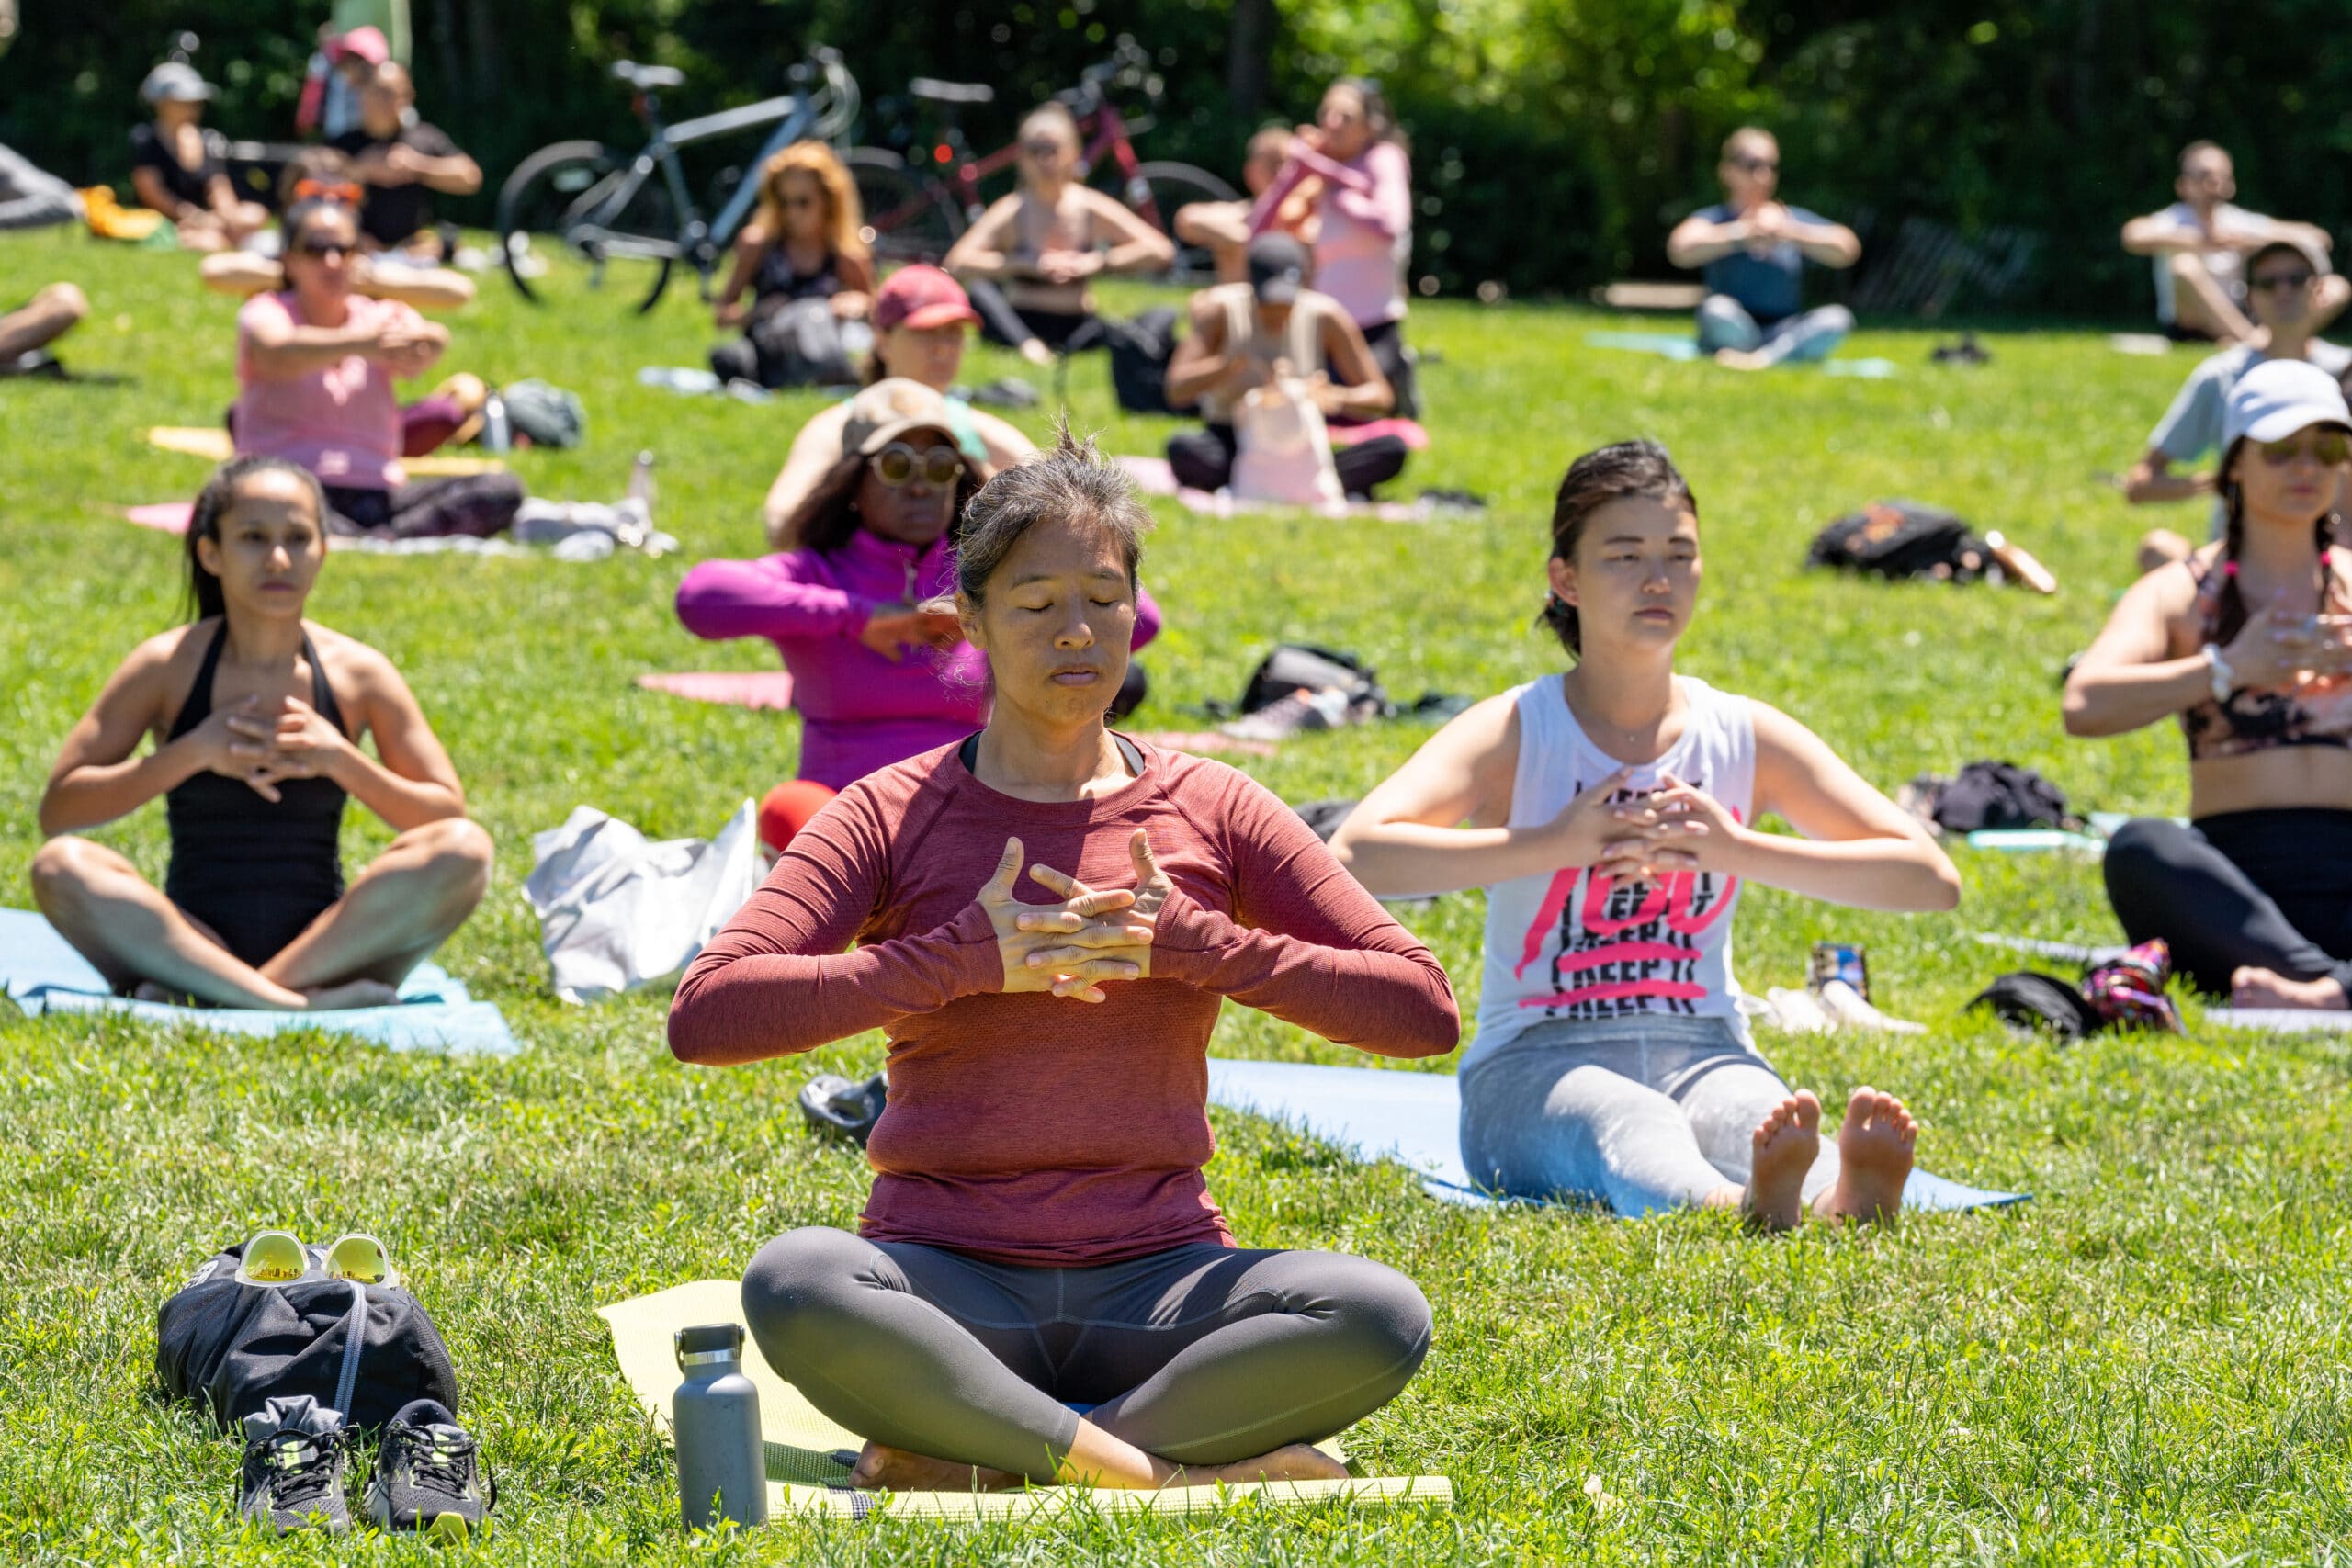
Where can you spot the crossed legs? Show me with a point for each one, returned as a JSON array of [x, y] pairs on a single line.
[[418, 891], [48, 316]]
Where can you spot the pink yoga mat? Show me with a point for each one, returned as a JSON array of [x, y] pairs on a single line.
[[169, 516], [753, 688]]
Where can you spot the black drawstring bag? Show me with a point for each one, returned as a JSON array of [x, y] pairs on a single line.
[[2028, 999], [366, 1351]]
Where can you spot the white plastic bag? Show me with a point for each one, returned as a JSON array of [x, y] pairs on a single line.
[[1282, 451], [617, 910]]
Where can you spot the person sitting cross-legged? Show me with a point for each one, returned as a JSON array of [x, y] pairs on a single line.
[[256, 715], [1047, 917], [1241, 331], [2200, 245], [1752, 249]]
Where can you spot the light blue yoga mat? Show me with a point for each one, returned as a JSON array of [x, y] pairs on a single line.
[[1412, 1118], [1682, 345], [41, 973]]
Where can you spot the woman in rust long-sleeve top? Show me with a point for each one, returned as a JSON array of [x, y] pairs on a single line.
[[1049, 917]]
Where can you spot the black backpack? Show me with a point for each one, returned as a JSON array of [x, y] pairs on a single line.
[[1140, 350], [1994, 794], [1902, 538], [1294, 665], [233, 1346]]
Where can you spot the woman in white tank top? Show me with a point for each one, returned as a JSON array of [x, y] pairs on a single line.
[[1610, 812]]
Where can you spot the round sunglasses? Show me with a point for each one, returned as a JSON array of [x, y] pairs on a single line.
[[898, 463]]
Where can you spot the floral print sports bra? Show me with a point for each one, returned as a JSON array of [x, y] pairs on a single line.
[[2315, 712]]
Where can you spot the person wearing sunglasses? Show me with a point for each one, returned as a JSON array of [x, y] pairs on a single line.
[[173, 171], [316, 367], [922, 318], [855, 600], [1752, 249], [1047, 917], [256, 716], [2248, 645], [1027, 260], [2200, 245], [804, 243], [403, 162], [2286, 280]]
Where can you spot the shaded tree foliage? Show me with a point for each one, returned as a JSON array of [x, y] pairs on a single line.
[[1555, 142]]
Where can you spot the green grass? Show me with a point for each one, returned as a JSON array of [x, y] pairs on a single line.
[[2149, 1362]]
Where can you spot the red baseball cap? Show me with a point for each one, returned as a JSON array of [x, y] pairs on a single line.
[[921, 298], [367, 43]]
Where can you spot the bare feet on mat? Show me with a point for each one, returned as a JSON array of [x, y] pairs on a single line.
[[2252, 987], [1875, 1146], [351, 993], [1785, 1143], [1741, 359], [1299, 1462], [884, 1469], [1035, 351]]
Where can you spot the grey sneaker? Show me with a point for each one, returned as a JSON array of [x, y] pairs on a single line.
[[428, 1477], [293, 1474]]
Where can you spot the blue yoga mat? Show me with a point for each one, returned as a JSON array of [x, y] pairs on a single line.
[[1412, 1118], [41, 974], [1682, 345]]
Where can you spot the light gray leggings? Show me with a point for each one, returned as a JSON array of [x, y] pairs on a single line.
[[1200, 1354], [1723, 322], [1642, 1114]]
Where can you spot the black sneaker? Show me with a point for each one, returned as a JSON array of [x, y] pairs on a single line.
[[293, 1475], [427, 1477]]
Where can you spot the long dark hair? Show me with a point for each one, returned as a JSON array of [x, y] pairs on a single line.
[[2228, 606], [1610, 473], [204, 597]]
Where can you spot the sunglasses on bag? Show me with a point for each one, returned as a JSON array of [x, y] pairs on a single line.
[[2330, 447], [898, 463], [278, 1257]]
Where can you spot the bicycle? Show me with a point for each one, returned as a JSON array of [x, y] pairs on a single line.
[[605, 206], [916, 213]]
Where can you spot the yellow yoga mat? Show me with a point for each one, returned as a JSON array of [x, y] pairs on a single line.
[[213, 445], [809, 1456]]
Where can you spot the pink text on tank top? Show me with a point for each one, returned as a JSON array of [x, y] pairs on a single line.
[[1615, 953], [1567, 944]]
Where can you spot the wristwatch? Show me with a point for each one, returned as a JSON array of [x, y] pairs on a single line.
[[2224, 679]]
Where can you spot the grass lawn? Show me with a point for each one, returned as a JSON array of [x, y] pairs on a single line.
[[2151, 1361]]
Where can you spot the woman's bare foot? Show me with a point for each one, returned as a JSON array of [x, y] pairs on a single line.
[[1741, 359], [1785, 1143], [1875, 1146], [884, 1469], [1035, 351], [1299, 1462], [351, 993], [2252, 987]]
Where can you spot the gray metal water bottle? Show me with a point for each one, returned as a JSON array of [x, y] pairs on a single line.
[[722, 1463]]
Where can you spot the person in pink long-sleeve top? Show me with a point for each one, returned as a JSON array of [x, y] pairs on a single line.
[[1049, 916], [880, 669], [1363, 235]]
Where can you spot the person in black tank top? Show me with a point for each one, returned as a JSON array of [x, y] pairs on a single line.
[[256, 752], [806, 242]]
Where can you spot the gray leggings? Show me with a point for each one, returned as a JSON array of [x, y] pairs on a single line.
[[1201, 1354], [1723, 322], [1642, 1113]]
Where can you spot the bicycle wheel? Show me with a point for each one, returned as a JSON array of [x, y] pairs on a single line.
[[582, 196], [908, 218], [1165, 188]]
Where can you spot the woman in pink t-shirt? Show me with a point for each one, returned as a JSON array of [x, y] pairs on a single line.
[[1363, 220], [316, 364]]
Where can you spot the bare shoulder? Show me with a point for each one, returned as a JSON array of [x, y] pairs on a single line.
[[353, 667]]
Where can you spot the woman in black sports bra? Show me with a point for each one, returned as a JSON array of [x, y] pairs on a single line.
[[2249, 644], [257, 717]]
